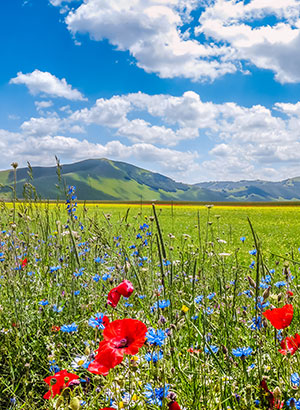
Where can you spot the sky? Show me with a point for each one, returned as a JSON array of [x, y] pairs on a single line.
[[198, 90]]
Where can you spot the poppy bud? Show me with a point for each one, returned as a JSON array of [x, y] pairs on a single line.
[[251, 281], [266, 293], [74, 404]]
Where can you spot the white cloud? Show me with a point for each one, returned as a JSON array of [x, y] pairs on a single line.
[[268, 46], [39, 82], [170, 135], [40, 105], [160, 35], [150, 30]]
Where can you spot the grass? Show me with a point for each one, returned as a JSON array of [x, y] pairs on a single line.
[[189, 255]]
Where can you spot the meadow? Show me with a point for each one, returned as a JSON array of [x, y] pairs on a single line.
[[185, 289]]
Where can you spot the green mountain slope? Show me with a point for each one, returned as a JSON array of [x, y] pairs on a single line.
[[102, 179]]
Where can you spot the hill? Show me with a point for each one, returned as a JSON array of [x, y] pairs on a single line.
[[103, 179]]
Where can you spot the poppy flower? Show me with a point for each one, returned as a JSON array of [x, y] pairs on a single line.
[[58, 382], [290, 344], [121, 337], [173, 405], [107, 408], [125, 289], [24, 262], [280, 318]]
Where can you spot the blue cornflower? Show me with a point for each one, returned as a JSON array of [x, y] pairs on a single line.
[[271, 271], [208, 311], [256, 323], [242, 352], [253, 252], [43, 302], [280, 284], [144, 227], [242, 238], [296, 403], [99, 260], [198, 299], [126, 304], [54, 268], [156, 337], [57, 309], [162, 304], [154, 357], [106, 276], [69, 328], [142, 296], [166, 262], [53, 367], [155, 395], [211, 295], [295, 379], [97, 321], [263, 285], [251, 367], [77, 292], [96, 278], [213, 349], [251, 266]]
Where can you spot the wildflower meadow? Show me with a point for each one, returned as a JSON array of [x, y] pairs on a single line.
[[148, 306]]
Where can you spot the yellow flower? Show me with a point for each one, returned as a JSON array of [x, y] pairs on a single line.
[[134, 397], [185, 309], [121, 405]]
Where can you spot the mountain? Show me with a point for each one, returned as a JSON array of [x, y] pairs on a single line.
[[103, 179], [286, 190]]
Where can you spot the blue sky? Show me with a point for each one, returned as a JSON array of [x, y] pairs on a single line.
[[196, 90]]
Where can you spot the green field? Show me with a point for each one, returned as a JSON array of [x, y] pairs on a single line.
[[193, 278]]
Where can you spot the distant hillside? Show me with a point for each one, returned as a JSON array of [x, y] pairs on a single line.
[[102, 179], [286, 190]]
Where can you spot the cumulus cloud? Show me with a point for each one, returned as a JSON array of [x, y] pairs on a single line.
[[166, 134], [162, 37], [269, 46], [151, 31], [39, 82]]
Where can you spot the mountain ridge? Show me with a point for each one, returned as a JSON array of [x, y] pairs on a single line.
[[104, 179]]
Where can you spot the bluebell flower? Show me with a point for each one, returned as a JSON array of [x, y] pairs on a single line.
[[155, 337], [97, 321], [242, 351], [154, 357], [155, 395], [69, 328], [213, 349], [295, 379]]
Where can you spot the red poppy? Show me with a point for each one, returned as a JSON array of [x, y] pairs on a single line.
[[280, 318], [289, 293], [121, 337], [107, 408], [125, 289], [55, 328], [174, 405], [290, 344], [23, 262], [58, 382]]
